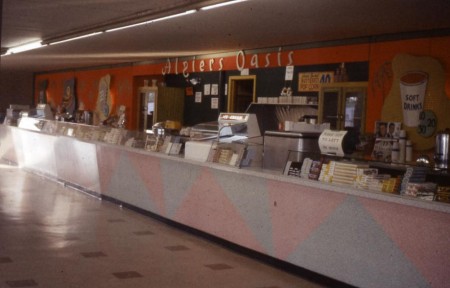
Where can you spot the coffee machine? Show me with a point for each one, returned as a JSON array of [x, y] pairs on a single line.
[[442, 150]]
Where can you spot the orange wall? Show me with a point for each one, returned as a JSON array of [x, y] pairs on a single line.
[[379, 56]]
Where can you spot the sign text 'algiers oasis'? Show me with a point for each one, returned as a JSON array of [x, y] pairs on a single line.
[[210, 65]]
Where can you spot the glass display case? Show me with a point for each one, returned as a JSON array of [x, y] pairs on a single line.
[[238, 154], [104, 134], [353, 170]]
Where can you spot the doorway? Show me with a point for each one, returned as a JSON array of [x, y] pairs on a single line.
[[241, 92]]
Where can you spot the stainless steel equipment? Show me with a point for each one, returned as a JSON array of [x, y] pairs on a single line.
[[44, 111], [277, 146], [88, 117], [238, 127], [205, 131], [232, 130], [441, 150]]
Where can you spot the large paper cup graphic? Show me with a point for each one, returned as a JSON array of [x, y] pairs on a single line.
[[413, 86]]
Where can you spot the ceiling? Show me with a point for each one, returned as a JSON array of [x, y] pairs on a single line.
[[249, 25]]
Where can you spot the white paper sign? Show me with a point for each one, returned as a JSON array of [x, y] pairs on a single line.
[[245, 72], [150, 107], [214, 103], [330, 142], [207, 89], [215, 89], [289, 73], [198, 97]]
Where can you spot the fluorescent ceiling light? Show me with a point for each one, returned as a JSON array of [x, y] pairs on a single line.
[[26, 47], [174, 15], [128, 26], [151, 21], [76, 38], [222, 4]]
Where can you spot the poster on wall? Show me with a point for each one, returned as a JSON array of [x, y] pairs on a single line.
[[413, 85], [68, 100], [289, 75], [198, 97], [215, 89], [214, 103], [417, 86], [207, 89], [190, 91], [104, 102], [310, 82]]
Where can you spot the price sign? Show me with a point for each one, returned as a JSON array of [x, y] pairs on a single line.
[[427, 123]]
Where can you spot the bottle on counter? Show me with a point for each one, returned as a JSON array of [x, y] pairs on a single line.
[[409, 151], [395, 152], [402, 147]]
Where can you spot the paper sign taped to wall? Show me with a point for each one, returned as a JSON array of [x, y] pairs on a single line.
[[215, 103], [289, 76], [198, 97], [310, 82]]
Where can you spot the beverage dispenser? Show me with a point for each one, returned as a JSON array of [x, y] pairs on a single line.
[[441, 150]]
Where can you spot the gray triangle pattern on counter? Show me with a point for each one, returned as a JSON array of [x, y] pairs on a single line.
[[253, 208], [177, 178], [351, 228], [136, 191]]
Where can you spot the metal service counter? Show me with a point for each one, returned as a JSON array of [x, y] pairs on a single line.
[[359, 237]]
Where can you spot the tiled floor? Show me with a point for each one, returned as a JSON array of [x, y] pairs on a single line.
[[52, 236]]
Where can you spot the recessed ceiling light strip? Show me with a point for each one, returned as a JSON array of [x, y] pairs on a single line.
[[128, 26], [173, 16], [76, 38], [39, 44], [151, 21], [222, 4], [26, 47]]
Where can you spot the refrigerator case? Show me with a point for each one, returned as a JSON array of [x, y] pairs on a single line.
[[278, 145]]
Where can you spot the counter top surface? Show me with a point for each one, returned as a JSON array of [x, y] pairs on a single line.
[[277, 176]]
